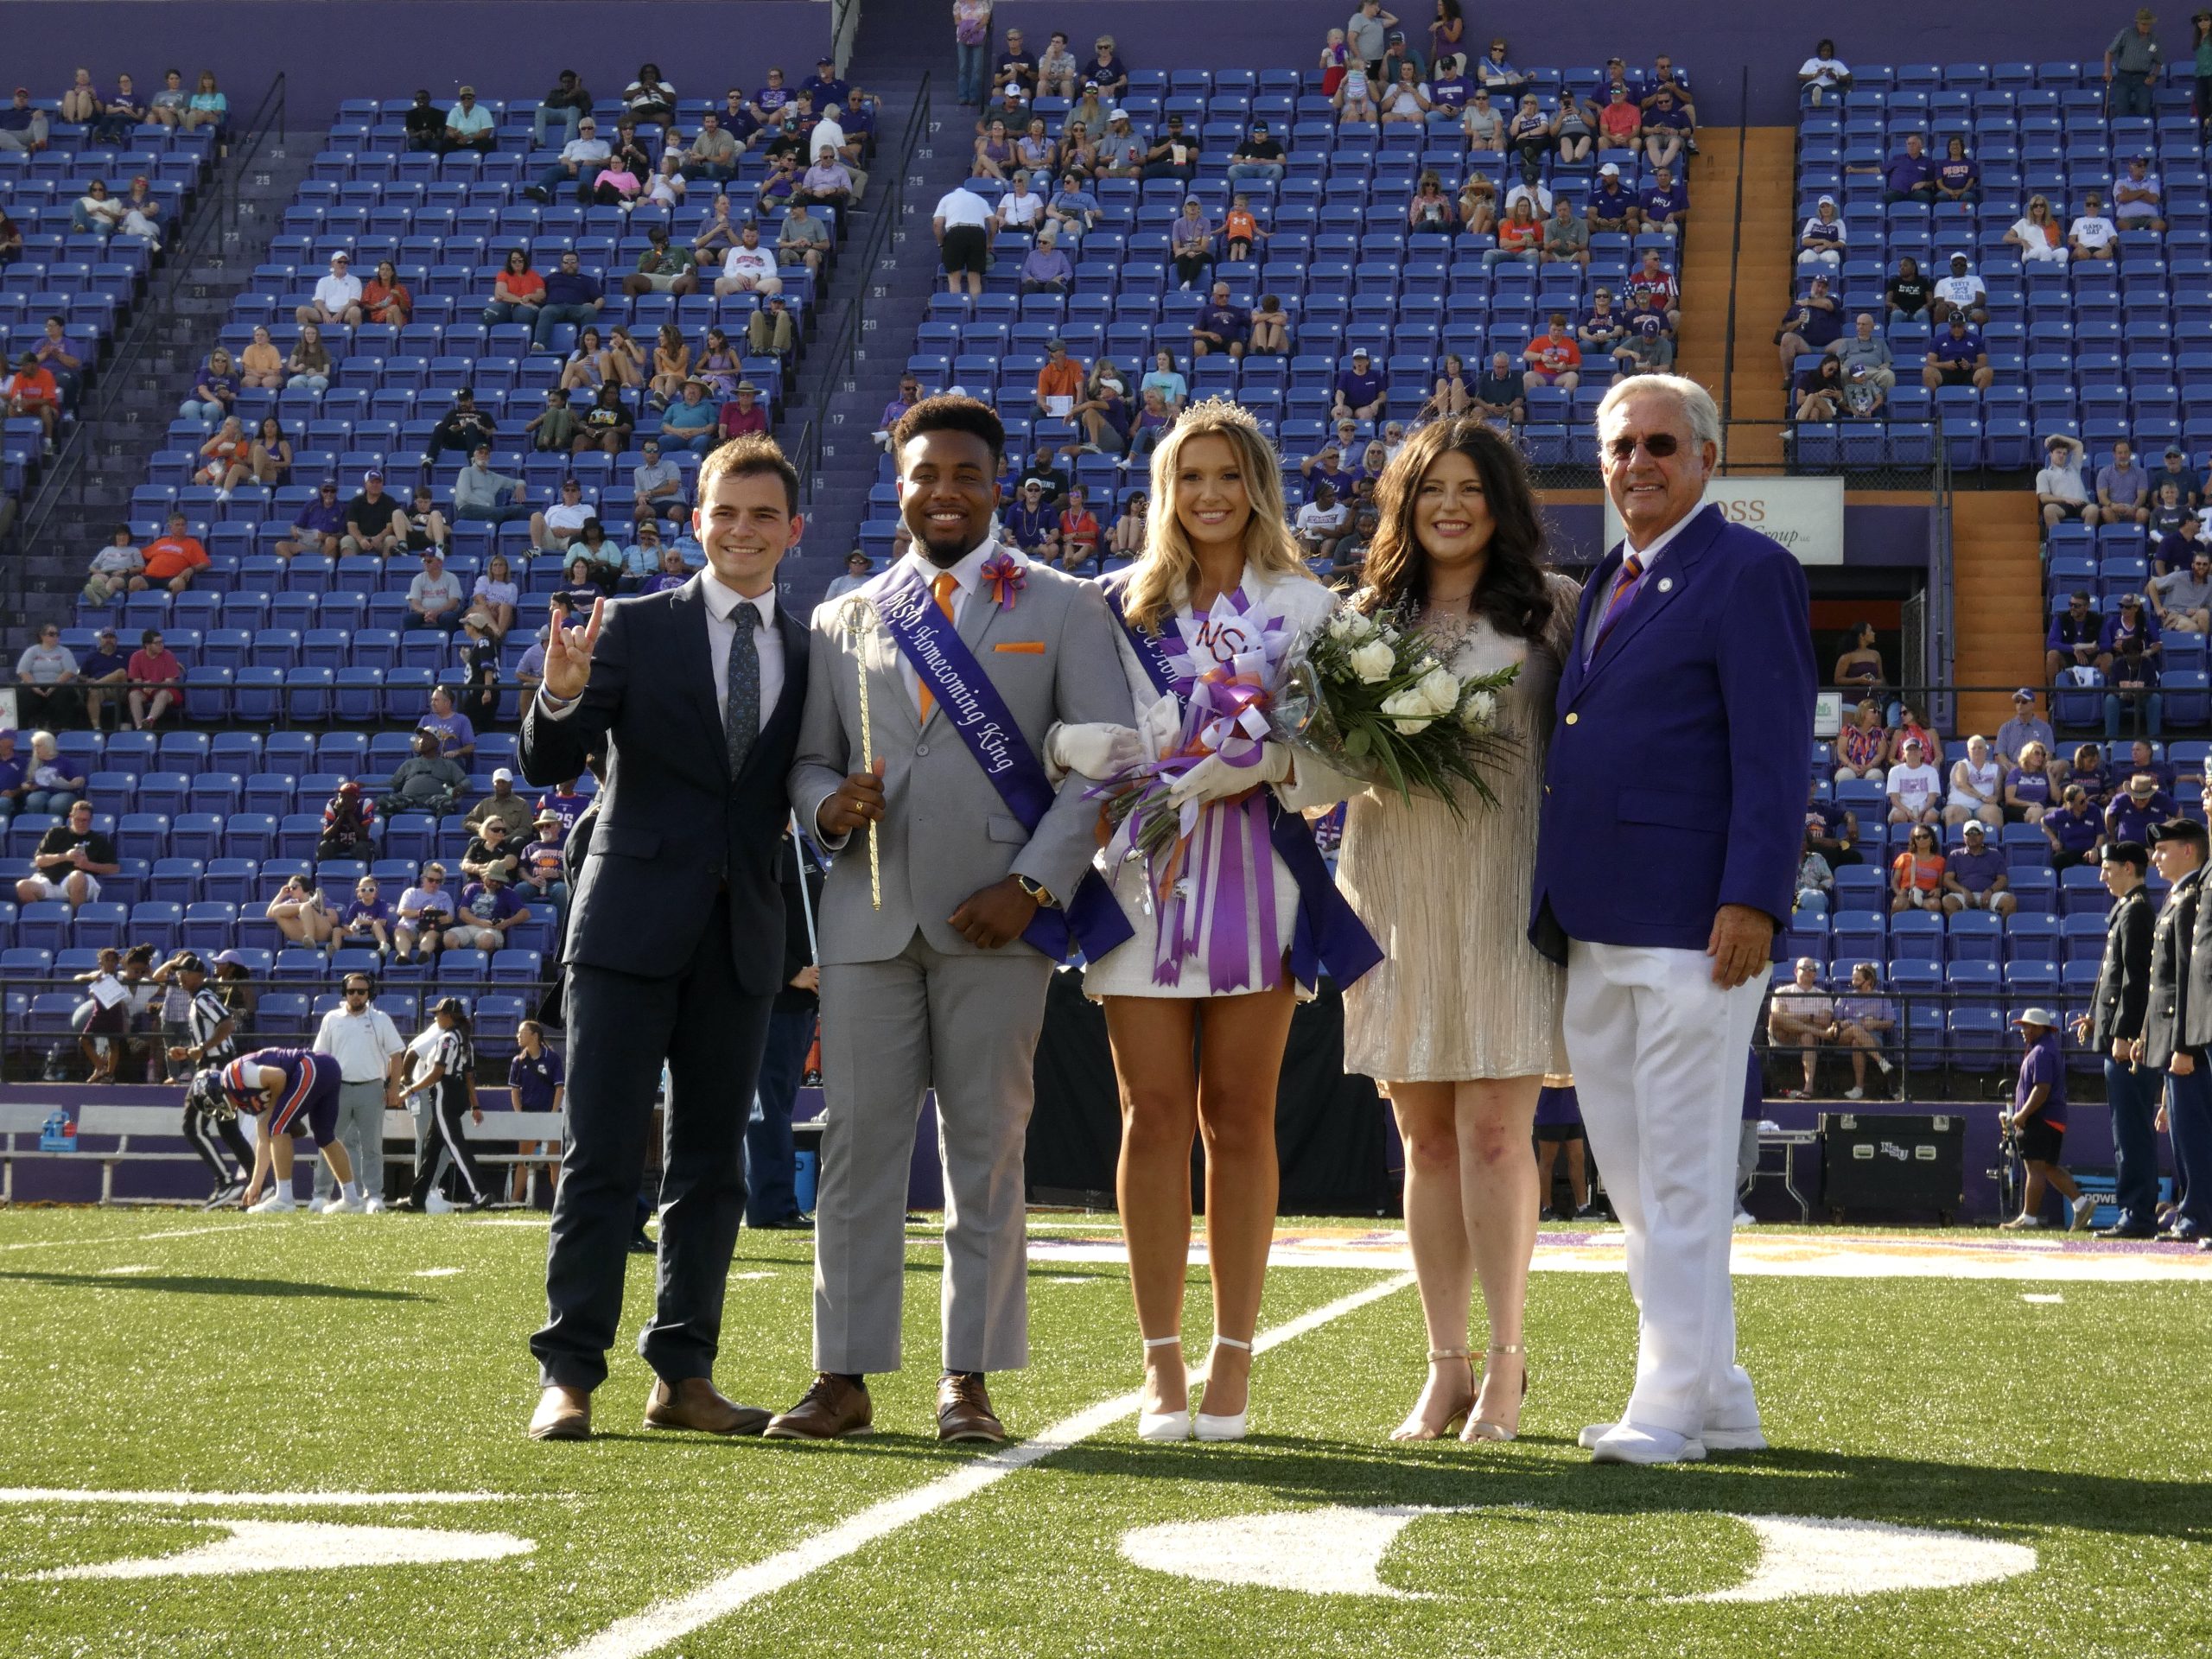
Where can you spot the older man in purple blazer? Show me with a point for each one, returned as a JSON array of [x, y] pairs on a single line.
[[1672, 825]]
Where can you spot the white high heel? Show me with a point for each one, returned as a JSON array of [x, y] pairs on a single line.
[[1165, 1427], [1213, 1427]]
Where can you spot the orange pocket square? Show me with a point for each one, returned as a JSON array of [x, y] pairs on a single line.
[[1027, 647]]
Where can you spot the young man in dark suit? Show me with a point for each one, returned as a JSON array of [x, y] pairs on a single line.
[[675, 946], [2110, 1028]]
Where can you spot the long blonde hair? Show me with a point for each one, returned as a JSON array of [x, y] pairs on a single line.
[[1168, 566]]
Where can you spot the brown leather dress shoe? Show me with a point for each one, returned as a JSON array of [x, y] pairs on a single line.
[[831, 1409], [561, 1415], [963, 1409], [696, 1403]]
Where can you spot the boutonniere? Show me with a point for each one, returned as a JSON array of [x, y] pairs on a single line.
[[1007, 578]]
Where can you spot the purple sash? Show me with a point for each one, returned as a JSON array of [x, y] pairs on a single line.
[[1329, 934], [976, 711]]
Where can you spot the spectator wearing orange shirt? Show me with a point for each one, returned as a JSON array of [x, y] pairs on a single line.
[[171, 558], [1553, 358], [1061, 378], [34, 394], [156, 681]]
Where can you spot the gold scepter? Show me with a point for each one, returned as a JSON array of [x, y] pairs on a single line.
[[860, 621]]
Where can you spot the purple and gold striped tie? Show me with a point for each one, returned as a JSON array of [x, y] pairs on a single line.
[[1617, 601]]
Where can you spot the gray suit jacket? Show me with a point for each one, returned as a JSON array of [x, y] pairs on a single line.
[[945, 832]]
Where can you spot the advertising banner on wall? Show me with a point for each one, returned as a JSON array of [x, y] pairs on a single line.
[[1804, 514]]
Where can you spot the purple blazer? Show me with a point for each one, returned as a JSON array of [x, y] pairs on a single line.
[[1676, 777]]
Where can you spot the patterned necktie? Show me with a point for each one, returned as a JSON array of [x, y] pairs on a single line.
[[1617, 603], [741, 702], [943, 587]]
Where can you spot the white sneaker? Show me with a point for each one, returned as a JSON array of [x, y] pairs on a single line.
[[1854, 1094], [438, 1205], [278, 1202], [1744, 1217], [1629, 1444], [344, 1206], [1715, 1440], [375, 1207]]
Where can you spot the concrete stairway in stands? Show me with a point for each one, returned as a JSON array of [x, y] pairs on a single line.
[[1764, 268], [1703, 271], [137, 425], [1996, 580], [897, 46]]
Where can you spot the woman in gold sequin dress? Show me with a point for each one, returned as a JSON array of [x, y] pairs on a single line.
[[1462, 1020]]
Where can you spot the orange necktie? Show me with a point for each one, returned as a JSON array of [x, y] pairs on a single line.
[[943, 587]]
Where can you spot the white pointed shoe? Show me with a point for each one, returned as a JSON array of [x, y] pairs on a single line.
[[276, 1203], [1629, 1444], [344, 1206], [1208, 1426], [438, 1205], [1165, 1427]]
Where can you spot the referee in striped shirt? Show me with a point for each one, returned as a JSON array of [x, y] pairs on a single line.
[[210, 1030]]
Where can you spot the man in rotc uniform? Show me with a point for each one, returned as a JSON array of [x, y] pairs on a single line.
[[2173, 1031], [2188, 1114], [2115, 1021]]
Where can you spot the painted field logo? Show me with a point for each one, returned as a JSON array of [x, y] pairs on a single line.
[[1338, 1551]]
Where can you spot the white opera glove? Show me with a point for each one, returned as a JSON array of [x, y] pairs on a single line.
[[1215, 780], [1095, 748]]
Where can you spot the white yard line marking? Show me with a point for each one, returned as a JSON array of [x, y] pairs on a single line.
[[120, 1238], [2031, 1296], [756, 1275], [655, 1628], [306, 1547], [434, 1272], [131, 1267], [242, 1500]]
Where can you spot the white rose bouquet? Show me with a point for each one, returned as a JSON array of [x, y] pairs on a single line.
[[1370, 698]]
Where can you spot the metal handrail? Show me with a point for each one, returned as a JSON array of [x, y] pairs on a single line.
[[1735, 253], [836, 359], [119, 372]]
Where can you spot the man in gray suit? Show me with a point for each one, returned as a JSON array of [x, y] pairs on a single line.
[[973, 657]]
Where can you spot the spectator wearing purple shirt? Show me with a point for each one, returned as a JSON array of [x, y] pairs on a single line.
[[2123, 488], [2136, 809], [456, 737], [2133, 677], [2075, 831], [910, 393], [488, 909], [1911, 176], [1663, 206], [1220, 326], [2129, 625], [2038, 1117], [1973, 876], [1955, 175], [1957, 357], [1031, 525], [1360, 389], [317, 526], [2075, 633]]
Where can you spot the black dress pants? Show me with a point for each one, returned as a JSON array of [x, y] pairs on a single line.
[[620, 1028]]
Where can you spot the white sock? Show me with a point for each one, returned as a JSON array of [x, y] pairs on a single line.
[[352, 1191]]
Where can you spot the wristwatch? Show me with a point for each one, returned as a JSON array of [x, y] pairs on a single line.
[[1038, 891]]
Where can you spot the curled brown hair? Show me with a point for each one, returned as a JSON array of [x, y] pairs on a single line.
[[1514, 593], [750, 457]]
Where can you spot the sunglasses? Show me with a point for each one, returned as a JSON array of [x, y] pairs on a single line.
[[1658, 446], [357, 990]]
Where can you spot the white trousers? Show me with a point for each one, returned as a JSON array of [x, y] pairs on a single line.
[[1659, 1052]]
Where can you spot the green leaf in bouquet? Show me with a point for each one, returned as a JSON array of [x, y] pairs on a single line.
[[1355, 742]]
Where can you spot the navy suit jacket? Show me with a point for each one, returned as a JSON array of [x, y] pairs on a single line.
[[672, 826], [1676, 779]]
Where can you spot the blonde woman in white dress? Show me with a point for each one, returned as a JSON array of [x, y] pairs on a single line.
[[1219, 573], [1462, 1020]]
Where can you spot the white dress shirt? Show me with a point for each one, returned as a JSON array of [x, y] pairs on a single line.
[[967, 576], [722, 601], [362, 1044]]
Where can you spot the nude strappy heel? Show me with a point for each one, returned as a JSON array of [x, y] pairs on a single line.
[[1476, 1429], [1414, 1429]]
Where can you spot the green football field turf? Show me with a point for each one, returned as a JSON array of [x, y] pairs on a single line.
[[161, 1352]]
